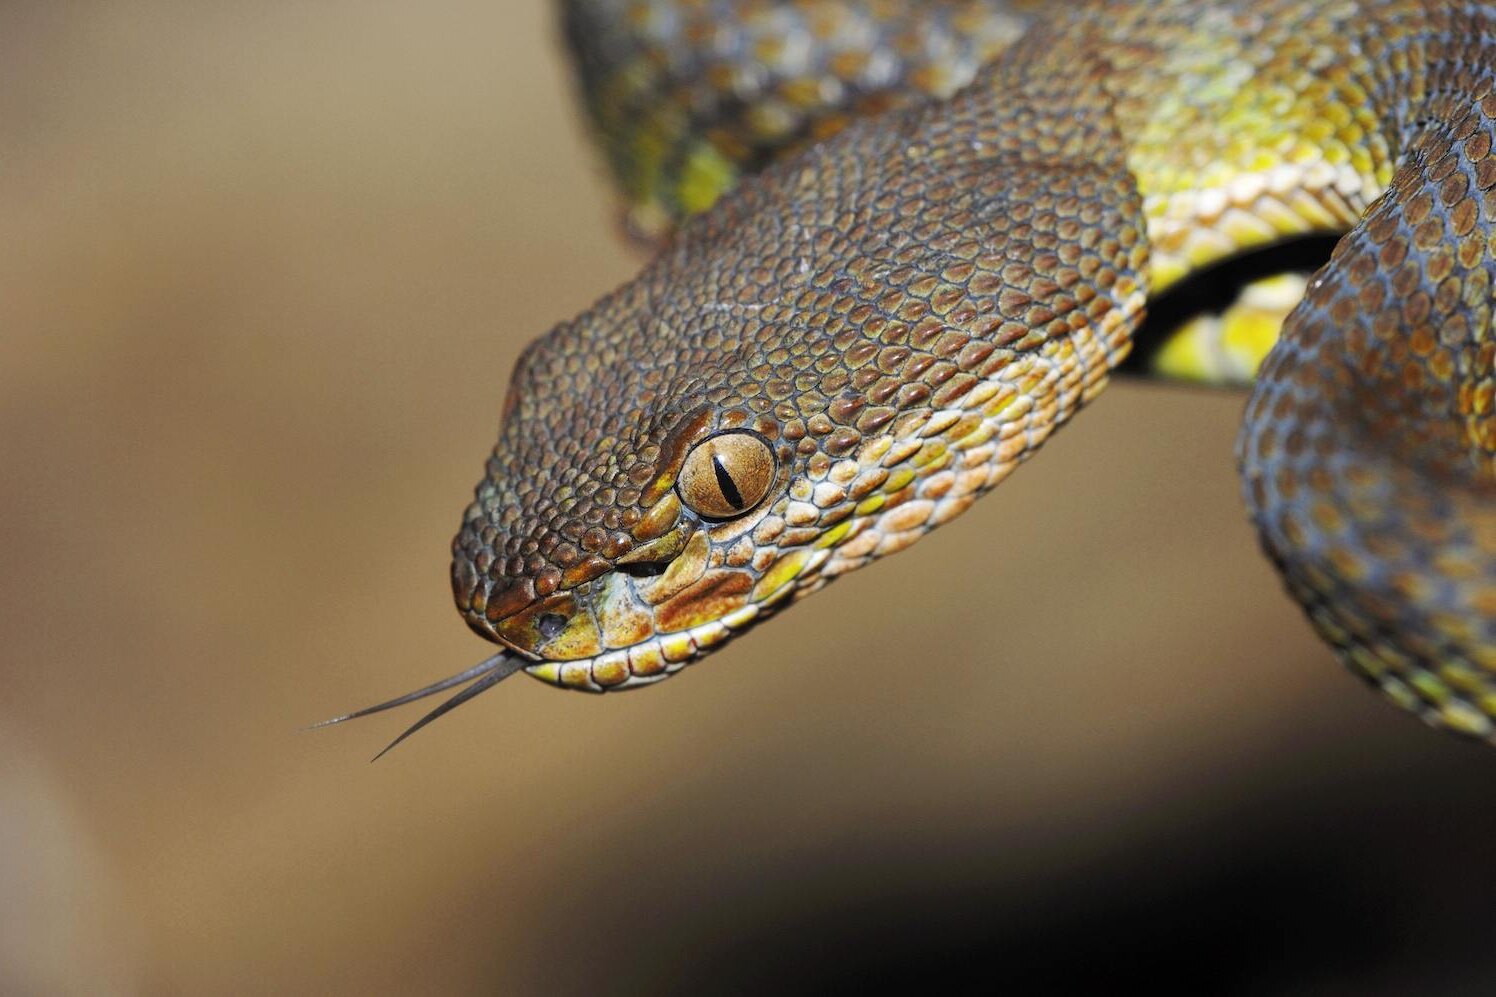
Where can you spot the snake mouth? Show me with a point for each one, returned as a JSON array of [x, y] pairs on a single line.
[[651, 659], [627, 631]]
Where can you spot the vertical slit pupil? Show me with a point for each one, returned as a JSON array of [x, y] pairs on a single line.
[[728, 486]]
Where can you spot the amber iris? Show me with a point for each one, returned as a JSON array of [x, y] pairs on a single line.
[[726, 475]]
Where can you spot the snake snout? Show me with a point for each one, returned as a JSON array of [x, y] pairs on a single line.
[[559, 626]]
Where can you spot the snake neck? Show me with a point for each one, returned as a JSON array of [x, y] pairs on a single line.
[[1367, 454], [1280, 148]]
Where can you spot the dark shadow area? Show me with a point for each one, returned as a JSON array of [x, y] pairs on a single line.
[[1375, 883], [1336, 889], [1214, 288]]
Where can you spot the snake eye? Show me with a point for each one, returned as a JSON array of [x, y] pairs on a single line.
[[726, 475]]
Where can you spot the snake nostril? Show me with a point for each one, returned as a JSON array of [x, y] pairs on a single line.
[[550, 625]]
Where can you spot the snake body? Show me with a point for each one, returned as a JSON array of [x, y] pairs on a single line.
[[898, 315]]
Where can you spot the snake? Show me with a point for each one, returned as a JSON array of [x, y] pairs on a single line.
[[900, 243]]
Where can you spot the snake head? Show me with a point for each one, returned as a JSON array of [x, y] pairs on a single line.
[[818, 371], [632, 515], [835, 359]]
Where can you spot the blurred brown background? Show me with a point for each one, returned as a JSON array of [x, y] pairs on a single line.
[[265, 269]]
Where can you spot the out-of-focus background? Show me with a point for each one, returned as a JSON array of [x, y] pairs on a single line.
[[264, 270]]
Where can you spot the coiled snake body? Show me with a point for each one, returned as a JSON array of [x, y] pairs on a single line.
[[846, 350]]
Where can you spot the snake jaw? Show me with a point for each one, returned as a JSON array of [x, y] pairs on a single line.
[[626, 630], [570, 630], [662, 654]]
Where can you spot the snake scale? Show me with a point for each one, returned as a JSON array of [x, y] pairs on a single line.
[[924, 235]]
